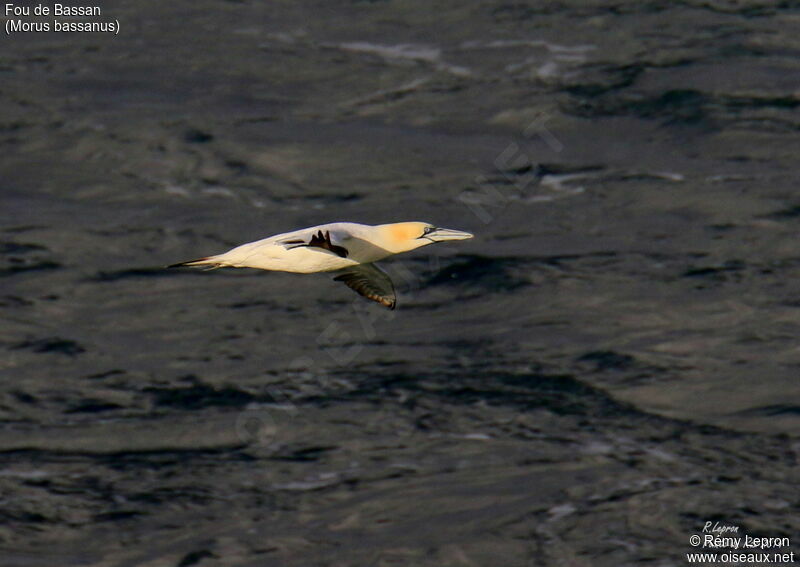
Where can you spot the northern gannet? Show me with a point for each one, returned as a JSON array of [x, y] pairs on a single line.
[[347, 247]]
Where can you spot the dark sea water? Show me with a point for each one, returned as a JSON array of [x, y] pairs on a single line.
[[609, 364]]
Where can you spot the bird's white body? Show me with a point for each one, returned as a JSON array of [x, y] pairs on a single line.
[[271, 254], [340, 246]]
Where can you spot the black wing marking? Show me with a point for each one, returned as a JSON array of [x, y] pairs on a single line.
[[371, 282], [318, 240], [324, 241]]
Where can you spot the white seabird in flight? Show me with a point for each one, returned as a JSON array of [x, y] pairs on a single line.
[[347, 247]]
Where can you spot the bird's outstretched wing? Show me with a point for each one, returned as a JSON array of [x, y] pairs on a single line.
[[318, 240], [371, 282]]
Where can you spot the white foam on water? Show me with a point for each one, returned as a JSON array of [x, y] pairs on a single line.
[[219, 192], [406, 52], [561, 510], [475, 436], [510, 43], [546, 66], [382, 94], [177, 190], [558, 186], [399, 51]]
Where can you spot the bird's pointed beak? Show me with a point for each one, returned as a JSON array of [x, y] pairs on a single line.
[[442, 234]]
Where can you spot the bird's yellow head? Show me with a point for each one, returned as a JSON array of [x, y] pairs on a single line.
[[404, 236]]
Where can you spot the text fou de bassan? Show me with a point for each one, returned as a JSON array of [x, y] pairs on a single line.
[[17, 19]]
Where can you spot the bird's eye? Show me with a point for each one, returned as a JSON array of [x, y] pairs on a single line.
[[428, 230]]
